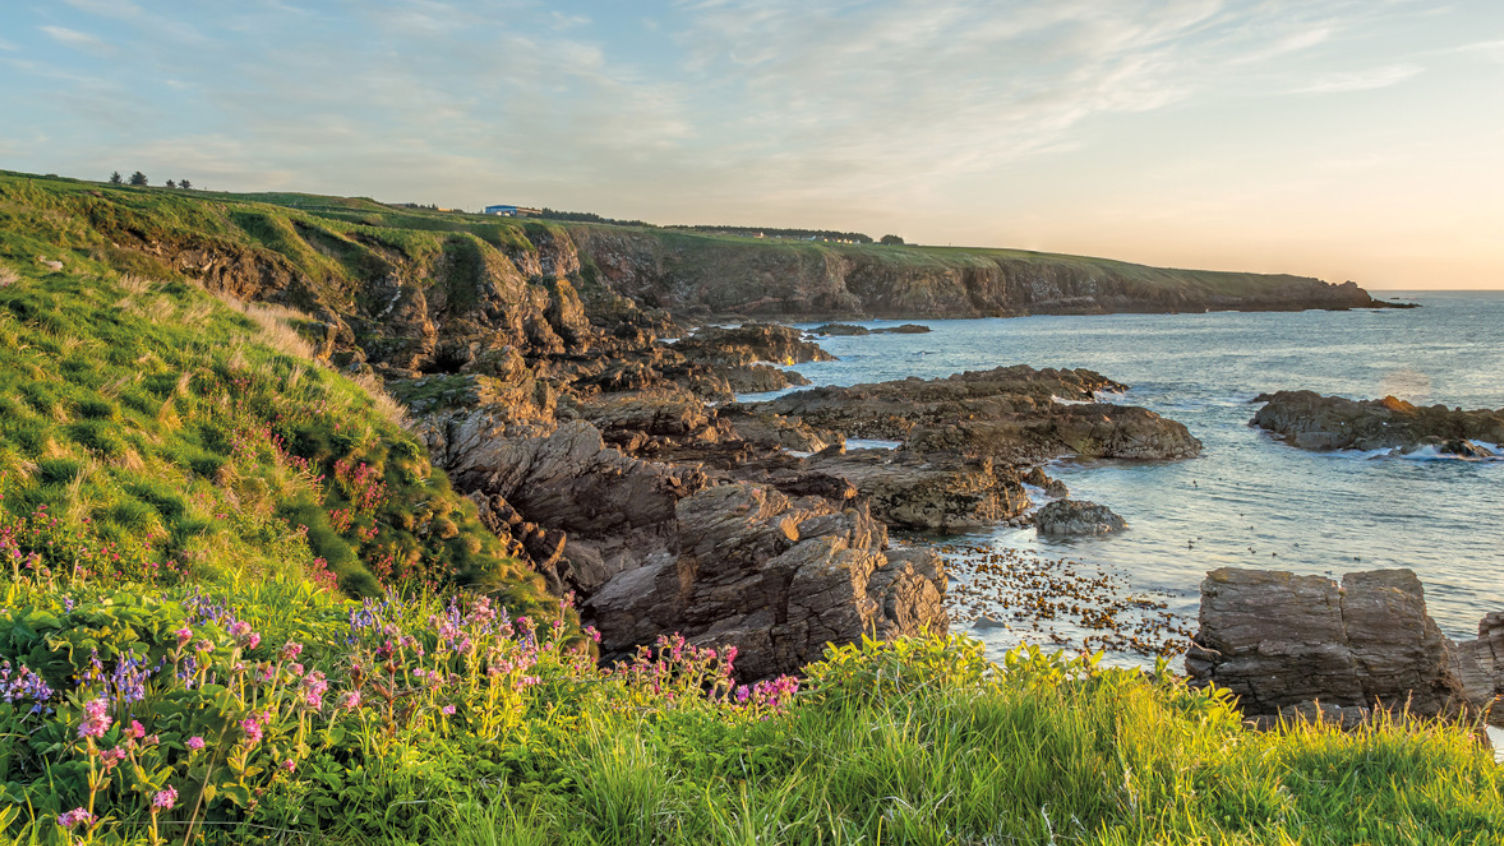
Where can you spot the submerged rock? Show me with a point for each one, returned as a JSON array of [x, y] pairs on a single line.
[[1077, 518]]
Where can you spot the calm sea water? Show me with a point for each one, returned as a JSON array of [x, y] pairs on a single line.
[[1250, 501]]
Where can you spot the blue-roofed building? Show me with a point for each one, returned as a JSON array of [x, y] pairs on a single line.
[[511, 211]]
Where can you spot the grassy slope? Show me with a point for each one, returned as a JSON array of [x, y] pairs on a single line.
[[182, 433]]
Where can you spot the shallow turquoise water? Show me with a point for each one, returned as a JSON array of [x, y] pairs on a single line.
[[1250, 501]]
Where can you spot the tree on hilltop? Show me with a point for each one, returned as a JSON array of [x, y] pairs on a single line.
[[891, 240], [138, 178], [184, 184], [171, 184], [115, 178]]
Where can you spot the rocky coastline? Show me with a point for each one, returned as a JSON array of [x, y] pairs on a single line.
[[568, 380]]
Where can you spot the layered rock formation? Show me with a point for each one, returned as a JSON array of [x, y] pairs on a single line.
[[702, 276], [1281, 641], [1311, 421]]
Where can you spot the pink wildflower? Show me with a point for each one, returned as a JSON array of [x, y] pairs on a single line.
[[290, 651], [289, 765], [135, 730], [350, 701], [184, 635], [165, 798], [195, 742], [77, 816], [448, 710], [96, 719], [252, 727]]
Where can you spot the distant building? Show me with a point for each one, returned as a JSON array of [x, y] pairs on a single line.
[[512, 211]]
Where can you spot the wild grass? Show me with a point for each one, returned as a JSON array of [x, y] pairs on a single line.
[[176, 435], [1037, 751]]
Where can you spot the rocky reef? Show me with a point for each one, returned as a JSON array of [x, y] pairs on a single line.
[[1284, 643], [1308, 420]]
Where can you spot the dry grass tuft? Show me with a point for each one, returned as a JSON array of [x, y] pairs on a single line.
[[385, 405], [134, 284], [275, 324], [8, 276]]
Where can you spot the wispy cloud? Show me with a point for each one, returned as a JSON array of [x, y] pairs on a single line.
[[1365, 80], [74, 38], [106, 8]]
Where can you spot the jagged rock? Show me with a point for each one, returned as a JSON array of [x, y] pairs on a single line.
[[772, 431], [1277, 640], [1308, 420], [758, 378], [1480, 666], [948, 493], [777, 578], [751, 343], [654, 548], [1075, 518]]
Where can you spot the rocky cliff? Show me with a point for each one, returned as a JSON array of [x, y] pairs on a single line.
[[702, 276]]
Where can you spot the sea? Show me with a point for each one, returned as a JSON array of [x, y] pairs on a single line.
[[1248, 500]]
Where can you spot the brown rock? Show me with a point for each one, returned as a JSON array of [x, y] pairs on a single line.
[[1276, 640]]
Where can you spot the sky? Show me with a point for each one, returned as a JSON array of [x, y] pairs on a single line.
[[1357, 140]]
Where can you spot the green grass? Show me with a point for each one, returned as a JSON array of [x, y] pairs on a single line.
[[1039, 752], [157, 431]]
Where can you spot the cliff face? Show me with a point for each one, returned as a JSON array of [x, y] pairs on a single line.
[[700, 275]]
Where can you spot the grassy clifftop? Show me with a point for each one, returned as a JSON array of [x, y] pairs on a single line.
[[336, 247]]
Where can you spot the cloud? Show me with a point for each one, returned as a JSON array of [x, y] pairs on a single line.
[[1493, 50], [106, 8], [1364, 80], [562, 21], [74, 38]]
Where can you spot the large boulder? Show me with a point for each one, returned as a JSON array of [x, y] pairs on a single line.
[[1065, 518], [1278, 640]]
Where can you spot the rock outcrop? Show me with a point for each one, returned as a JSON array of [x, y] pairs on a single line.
[[1010, 414], [853, 329], [1068, 518], [652, 548], [1279, 640], [1311, 421]]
